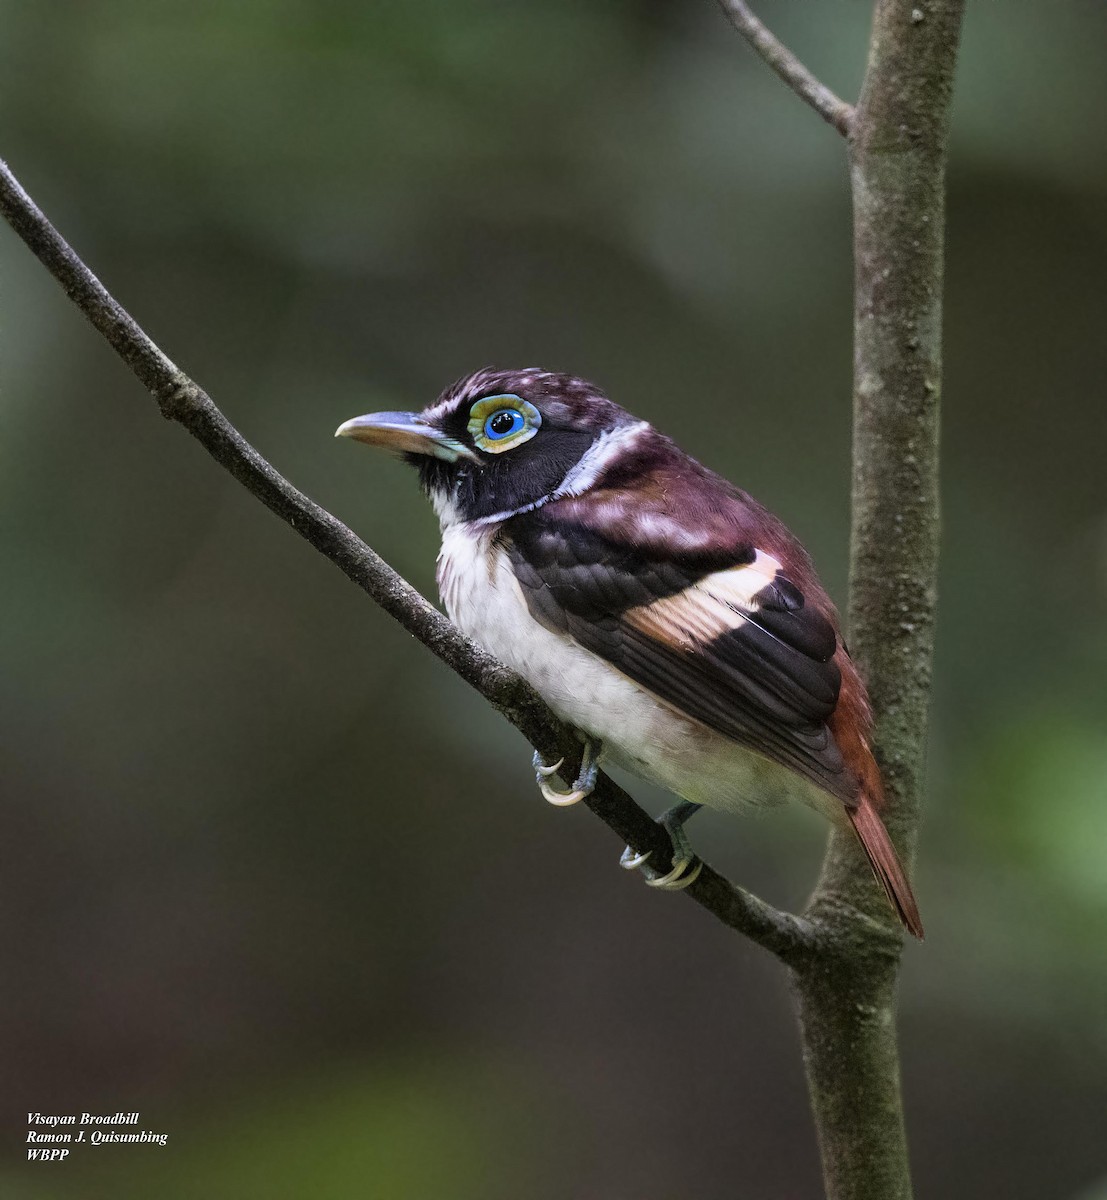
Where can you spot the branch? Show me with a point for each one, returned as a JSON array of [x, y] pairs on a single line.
[[791, 938], [897, 166], [898, 147], [833, 110]]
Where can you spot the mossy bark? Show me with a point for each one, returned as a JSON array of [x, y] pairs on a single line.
[[847, 993]]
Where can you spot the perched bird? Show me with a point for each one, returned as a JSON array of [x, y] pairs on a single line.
[[663, 612]]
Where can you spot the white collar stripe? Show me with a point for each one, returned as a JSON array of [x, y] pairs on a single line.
[[603, 451]]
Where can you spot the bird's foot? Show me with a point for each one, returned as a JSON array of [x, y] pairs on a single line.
[[686, 866], [586, 779]]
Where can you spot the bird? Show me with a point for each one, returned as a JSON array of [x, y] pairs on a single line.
[[658, 609]]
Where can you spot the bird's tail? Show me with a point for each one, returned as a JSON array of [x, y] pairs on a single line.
[[885, 863]]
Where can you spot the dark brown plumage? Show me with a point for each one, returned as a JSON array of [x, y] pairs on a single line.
[[779, 680], [671, 615]]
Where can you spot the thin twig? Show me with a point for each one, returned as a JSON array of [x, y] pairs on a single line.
[[793, 939], [830, 107]]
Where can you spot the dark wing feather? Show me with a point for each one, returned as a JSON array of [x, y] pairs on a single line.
[[720, 632]]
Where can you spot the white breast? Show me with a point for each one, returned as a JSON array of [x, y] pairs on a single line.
[[639, 732], [483, 598]]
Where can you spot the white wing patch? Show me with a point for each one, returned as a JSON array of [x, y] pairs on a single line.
[[640, 732], [715, 605]]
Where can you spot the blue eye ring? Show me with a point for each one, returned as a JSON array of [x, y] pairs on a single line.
[[503, 423], [499, 423]]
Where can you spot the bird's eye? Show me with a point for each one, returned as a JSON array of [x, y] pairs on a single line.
[[503, 423], [499, 423]]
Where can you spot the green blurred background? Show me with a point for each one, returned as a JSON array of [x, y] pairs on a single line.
[[272, 876]]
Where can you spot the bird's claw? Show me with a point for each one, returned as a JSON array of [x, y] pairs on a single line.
[[675, 880], [583, 787], [561, 799], [686, 866], [630, 861]]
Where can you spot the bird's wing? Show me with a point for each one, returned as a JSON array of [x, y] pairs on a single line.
[[711, 625]]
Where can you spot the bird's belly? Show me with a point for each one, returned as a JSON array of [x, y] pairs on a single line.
[[639, 732]]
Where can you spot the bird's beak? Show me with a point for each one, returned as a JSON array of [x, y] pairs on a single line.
[[403, 433]]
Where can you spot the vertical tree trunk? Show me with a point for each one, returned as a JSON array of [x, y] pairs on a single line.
[[846, 995]]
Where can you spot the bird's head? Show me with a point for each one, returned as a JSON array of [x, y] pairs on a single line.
[[500, 442]]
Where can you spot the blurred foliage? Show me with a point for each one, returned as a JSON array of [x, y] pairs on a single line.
[[274, 877]]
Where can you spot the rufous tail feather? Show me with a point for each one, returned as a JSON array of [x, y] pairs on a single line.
[[885, 863]]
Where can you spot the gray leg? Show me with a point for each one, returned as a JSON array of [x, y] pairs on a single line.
[[586, 780], [672, 821]]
